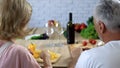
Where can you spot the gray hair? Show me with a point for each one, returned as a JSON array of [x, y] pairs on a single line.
[[108, 11]]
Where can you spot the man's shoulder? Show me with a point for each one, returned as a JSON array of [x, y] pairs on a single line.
[[96, 50], [104, 50], [88, 57], [97, 56]]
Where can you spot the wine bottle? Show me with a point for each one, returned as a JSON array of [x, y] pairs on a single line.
[[70, 31]]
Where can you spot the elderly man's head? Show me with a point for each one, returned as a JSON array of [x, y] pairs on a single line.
[[107, 18]]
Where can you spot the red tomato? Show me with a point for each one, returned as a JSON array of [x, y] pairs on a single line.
[[84, 43], [76, 27], [83, 26], [92, 41]]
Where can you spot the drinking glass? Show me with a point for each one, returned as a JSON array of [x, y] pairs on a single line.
[[59, 29], [49, 31]]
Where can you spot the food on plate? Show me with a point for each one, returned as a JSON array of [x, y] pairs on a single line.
[[92, 41], [36, 53], [84, 43], [31, 47], [54, 57]]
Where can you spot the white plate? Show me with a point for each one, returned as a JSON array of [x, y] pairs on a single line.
[[29, 36]]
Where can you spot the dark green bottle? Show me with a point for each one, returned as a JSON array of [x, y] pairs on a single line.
[[70, 31]]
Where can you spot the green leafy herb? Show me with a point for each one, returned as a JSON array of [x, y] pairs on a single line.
[[89, 32]]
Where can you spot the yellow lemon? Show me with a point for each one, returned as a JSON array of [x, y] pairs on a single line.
[[53, 55], [32, 47], [36, 53]]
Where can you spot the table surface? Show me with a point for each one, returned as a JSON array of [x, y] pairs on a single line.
[[65, 50]]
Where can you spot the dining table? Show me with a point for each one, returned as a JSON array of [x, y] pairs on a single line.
[[65, 50]]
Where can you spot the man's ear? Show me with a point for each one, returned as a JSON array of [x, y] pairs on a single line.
[[101, 27]]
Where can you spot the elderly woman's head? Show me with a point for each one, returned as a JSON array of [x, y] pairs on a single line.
[[15, 14]]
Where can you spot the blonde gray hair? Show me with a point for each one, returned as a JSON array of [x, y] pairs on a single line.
[[108, 11], [15, 14]]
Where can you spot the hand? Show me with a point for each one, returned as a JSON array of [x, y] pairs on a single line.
[[44, 55], [46, 59], [75, 53]]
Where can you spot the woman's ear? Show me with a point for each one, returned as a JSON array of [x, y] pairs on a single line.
[[101, 27]]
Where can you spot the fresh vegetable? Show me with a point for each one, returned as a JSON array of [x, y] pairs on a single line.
[[31, 47], [90, 20], [92, 41], [79, 26], [84, 43], [36, 37], [89, 32], [83, 26], [42, 36], [36, 53]]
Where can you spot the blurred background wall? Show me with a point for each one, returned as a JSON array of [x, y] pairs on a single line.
[[44, 10]]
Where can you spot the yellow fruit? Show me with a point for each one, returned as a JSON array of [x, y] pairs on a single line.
[[53, 55], [36, 53], [32, 47]]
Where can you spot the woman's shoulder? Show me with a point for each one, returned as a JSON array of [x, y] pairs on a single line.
[[19, 49], [25, 56]]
